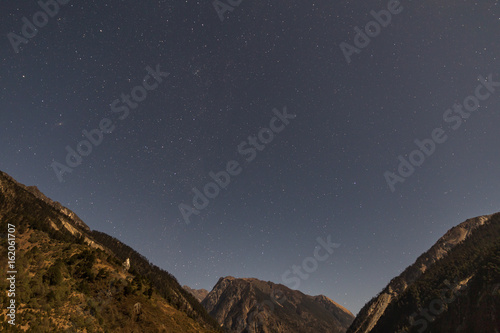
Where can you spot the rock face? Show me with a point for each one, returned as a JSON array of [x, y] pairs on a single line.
[[57, 206], [11, 192], [199, 294], [370, 314], [251, 305], [126, 264]]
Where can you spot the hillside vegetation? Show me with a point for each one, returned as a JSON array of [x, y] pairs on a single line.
[[67, 281]]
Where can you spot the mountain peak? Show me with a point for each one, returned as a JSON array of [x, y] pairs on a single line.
[[241, 303]]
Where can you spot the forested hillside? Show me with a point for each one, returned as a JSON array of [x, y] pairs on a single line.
[[67, 281]]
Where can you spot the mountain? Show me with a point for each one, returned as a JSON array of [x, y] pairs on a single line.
[[70, 278], [453, 287], [199, 294], [251, 305]]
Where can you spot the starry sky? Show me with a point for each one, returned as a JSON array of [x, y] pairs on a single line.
[[220, 78]]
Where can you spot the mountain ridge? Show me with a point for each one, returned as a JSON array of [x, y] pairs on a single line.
[[369, 315], [39, 195], [77, 260]]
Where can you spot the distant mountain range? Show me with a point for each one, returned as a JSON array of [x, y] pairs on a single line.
[[70, 278], [199, 294]]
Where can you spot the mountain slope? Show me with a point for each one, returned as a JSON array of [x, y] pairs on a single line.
[[199, 294], [251, 305], [448, 267], [68, 280]]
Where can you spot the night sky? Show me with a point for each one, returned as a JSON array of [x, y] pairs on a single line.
[[215, 85]]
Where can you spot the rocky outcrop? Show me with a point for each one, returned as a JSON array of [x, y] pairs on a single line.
[[11, 190], [369, 315], [57, 206], [251, 305]]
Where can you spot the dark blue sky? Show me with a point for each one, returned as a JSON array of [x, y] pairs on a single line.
[[321, 174]]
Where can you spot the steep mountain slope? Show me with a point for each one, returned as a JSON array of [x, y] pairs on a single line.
[[164, 282], [251, 305], [463, 257], [199, 294], [67, 280]]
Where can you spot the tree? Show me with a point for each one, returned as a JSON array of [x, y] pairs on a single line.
[[54, 275]]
